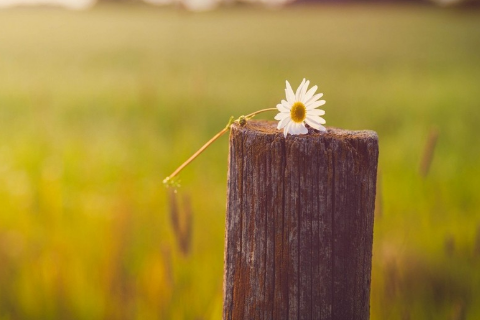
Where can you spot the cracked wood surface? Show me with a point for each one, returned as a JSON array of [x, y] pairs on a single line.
[[299, 223]]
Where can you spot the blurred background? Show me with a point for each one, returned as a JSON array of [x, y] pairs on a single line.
[[99, 104]]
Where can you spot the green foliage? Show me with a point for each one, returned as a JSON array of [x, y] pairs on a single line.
[[98, 107]]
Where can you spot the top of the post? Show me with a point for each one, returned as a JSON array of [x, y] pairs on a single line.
[[269, 128]]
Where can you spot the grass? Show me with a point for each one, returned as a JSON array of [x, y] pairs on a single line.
[[97, 107]]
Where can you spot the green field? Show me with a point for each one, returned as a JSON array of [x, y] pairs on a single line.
[[97, 107]]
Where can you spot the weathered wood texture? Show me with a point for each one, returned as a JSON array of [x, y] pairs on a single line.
[[299, 224]]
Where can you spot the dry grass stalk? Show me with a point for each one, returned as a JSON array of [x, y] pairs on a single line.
[[186, 235], [428, 152], [181, 221], [459, 311], [449, 245], [168, 265]]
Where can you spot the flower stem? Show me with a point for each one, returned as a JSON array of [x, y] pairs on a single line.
[[253, 114], [168, 180], [196, 154]]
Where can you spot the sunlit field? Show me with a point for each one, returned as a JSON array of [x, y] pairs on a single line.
[[98, 107]]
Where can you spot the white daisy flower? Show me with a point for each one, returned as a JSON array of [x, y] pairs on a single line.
[[300, 108]]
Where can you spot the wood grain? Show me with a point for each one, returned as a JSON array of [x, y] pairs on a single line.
[[299, 223]]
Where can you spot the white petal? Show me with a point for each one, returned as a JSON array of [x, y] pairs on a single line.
[[298, 128], [316, 119], [315, 125], [304, 90], [295, 129], [309, 94], [287, 130], [282, 108], [289, 93], [299, 90], [284, 122], [314, 98], [302, 129], [287, 105], [312, 123], [281, 116], [314, 105], [318, 127], [315, 112]]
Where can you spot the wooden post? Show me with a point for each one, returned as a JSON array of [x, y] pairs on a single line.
[[299, 223]]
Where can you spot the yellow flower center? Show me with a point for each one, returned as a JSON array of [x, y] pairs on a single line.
[[298, 113]]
